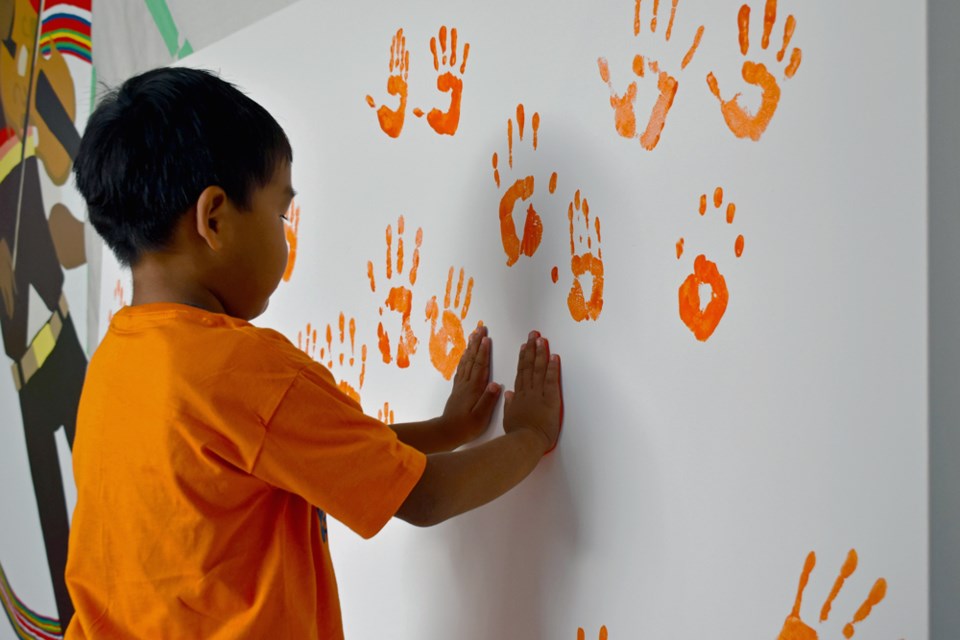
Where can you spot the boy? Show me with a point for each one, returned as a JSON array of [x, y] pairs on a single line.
[[205, 446]]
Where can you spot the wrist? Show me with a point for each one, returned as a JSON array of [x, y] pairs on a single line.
[[534, 439]]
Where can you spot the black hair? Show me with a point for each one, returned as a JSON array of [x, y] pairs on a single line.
[[153, 145]]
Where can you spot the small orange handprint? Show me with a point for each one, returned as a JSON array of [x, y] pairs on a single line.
[[581, 634], [740, 121], [391, 120], [583, 262], [385, 415], [795, 629], [624, 107], [448, 344], [446, 122], [522, 189], [342, 359], [291, 226], [703, 321], [399, 298], [118, 299]]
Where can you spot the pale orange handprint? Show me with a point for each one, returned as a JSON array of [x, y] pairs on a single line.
[[624, 106], [291, 227], [581, 634], [118, 299], [796, 629], [341, 360], [702, 321], [400, 298], [385, 415], [450, 81], [391, 120], [521, 189], [584, 262], [741, 121], [448, 343]]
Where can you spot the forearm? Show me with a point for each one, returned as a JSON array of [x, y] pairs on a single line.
[[454, 483], [428, 436]]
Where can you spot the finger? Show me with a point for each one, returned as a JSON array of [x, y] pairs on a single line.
[[540, 363], [484, 407], [507, 400], [552, 378], [467, 360], [528, 352], [481, 365]]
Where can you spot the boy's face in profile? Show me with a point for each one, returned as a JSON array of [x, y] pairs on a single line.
[[255, 253]]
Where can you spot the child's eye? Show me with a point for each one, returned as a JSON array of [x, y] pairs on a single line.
[[283, 216]]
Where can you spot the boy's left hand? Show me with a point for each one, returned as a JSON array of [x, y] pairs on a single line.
[[467, 413]]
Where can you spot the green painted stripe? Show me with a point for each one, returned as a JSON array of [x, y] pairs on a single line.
[[168, 28]]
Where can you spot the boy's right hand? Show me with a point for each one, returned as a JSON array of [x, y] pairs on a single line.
[[536, 403]]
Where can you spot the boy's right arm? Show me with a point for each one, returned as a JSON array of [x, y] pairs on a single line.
[[457, 482]]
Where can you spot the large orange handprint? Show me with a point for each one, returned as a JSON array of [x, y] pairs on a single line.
[[702, 321], [796, 629], [624, 106], [448, 344], [291, 227], [400, 298], [446, 122], [522, 189], [391, 120], [740, 121], [583, 262]]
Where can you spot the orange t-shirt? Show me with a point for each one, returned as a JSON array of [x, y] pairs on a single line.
[[204, 448]]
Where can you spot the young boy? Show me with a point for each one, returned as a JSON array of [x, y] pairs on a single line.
[[207, 450]]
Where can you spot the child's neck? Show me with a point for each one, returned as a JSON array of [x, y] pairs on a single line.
[[170, 277]]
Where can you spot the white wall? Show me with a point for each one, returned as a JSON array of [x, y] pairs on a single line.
[[944, 132]]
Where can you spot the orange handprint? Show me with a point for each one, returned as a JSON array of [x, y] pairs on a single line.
[[291, 226], [399, 299], [740, 121], [391, 120], [581, 634], [703, 321], [624, 107], [307, 342], [584, 263], [522, 189], [385, 415], [448, 344], [795, 629], [446, 122]]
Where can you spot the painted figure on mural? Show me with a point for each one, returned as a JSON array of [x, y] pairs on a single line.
[[37, 133]]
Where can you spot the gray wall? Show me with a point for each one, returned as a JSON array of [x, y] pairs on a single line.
[[944, 105]]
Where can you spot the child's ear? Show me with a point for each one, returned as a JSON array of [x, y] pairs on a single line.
[[211, 207]]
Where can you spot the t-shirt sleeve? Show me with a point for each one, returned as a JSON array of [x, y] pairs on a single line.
[[319, 445]]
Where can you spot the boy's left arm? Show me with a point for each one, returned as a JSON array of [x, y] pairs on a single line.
[[469, 408]]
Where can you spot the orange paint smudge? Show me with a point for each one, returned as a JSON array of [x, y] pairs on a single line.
[[624, 117], [718, 197], [536, 128], [739, 120], [638, 65], [636, 18], [679, 248], [703, 204], [448, 344], [391, 120], [399, 298], [731, 212], [769, 17], [581, 634], [673, 15], [703, 322], [795, 59], [555, 274], [291, 229], [743, 26], [496, 171], [788, 29], [373, 285], [877, 594], [656, 11], [520, 120], [553, 182], [658, 117], [510, 142], [849, 566], [385, 415], [738, 246], [416, 257], [693, 48]]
